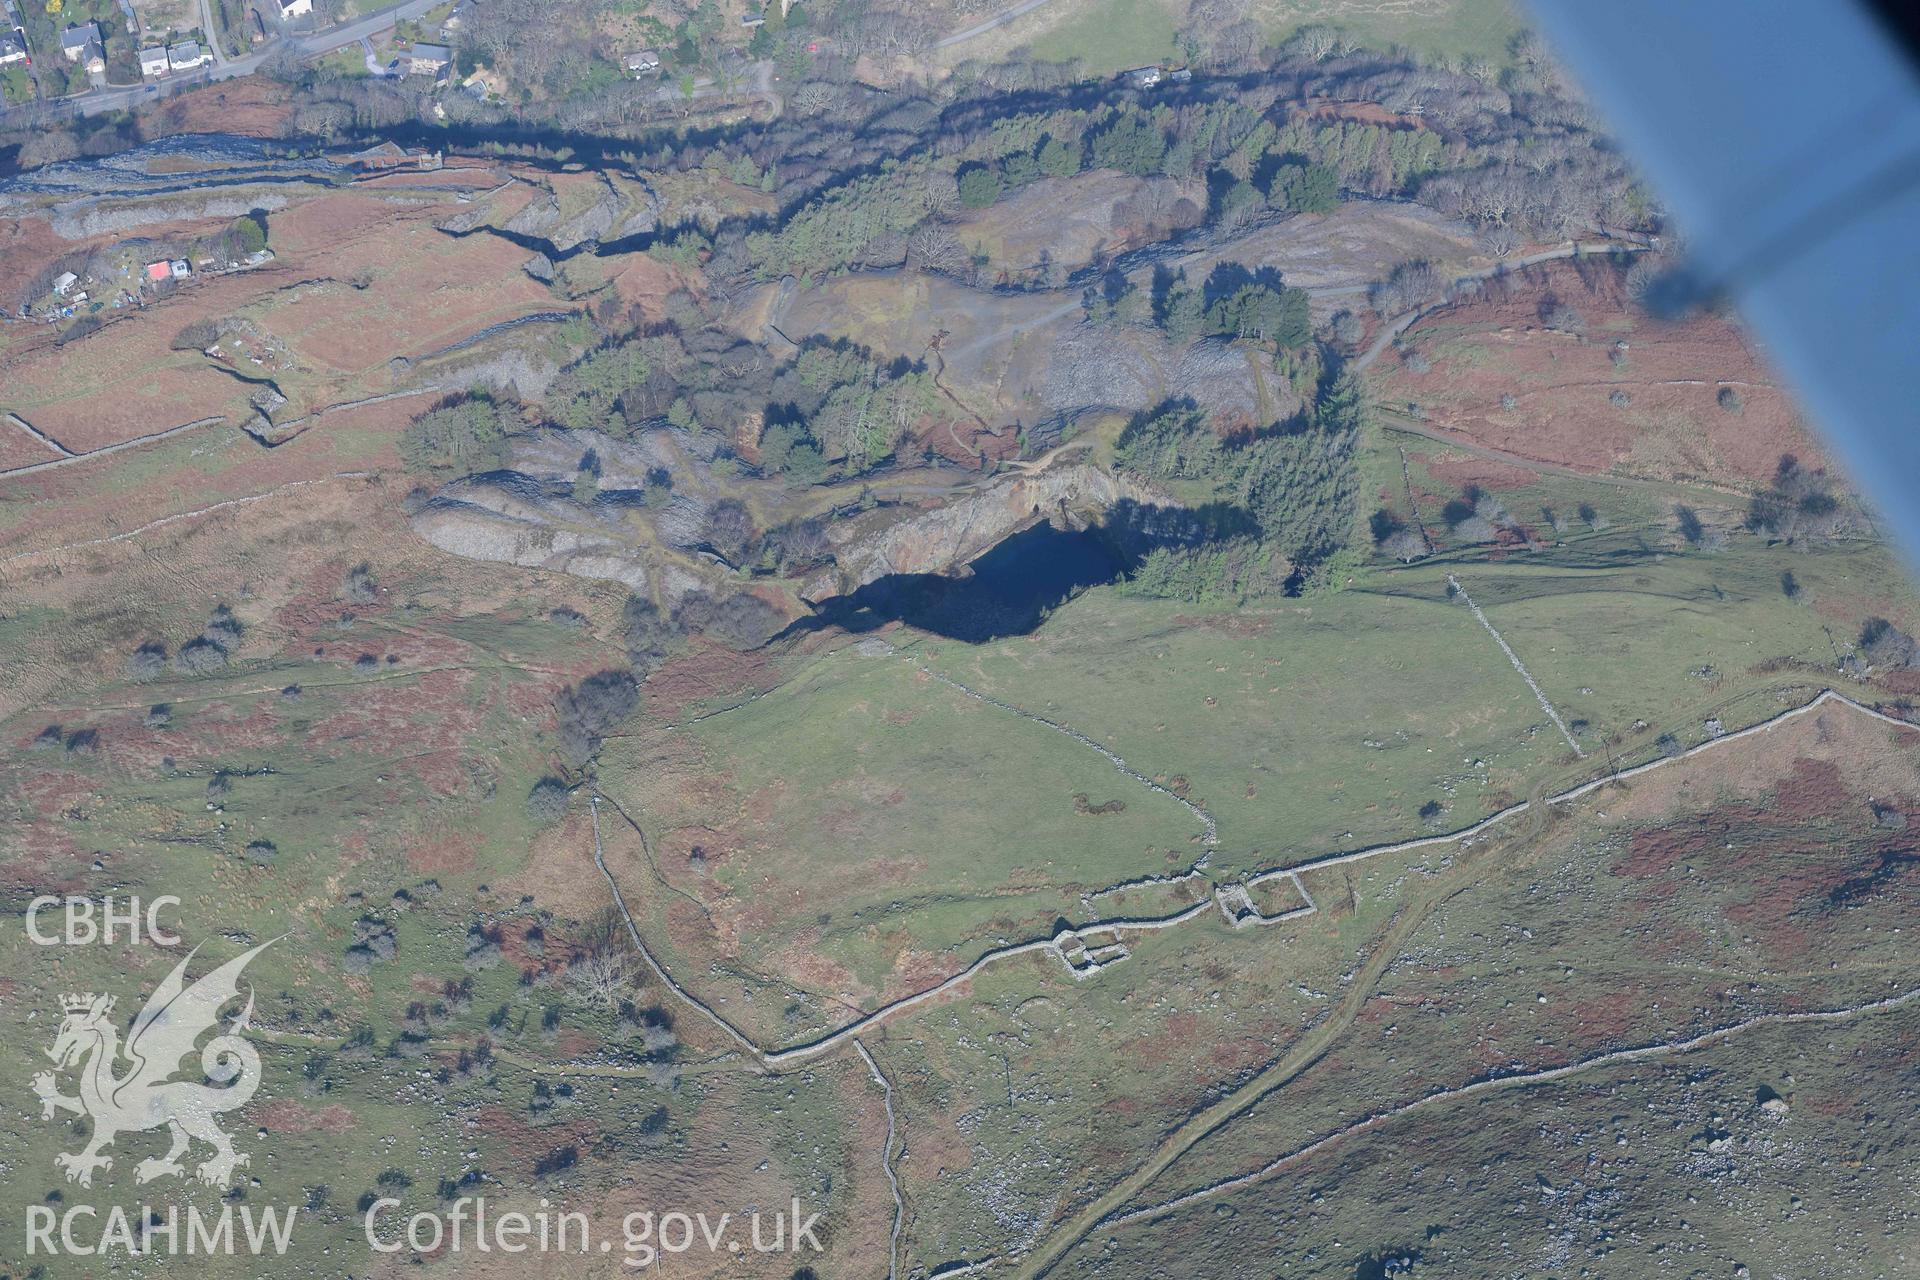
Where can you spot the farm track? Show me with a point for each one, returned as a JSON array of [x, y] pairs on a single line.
[[993, 23], [494, 330], [428, 389], [1494, 1083], [886, 1162]]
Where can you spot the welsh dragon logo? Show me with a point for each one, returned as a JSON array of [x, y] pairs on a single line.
[[144, 1097]]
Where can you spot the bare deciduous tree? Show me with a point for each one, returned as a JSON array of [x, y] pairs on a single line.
[[934, 248], [1407, 286], [601, 978], [148, 661], [1405, 545]]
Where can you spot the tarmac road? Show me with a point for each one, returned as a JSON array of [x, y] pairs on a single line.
[[96, 102], [312, 46]]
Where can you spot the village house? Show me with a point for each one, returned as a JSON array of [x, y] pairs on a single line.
[[187, 55], [81, 44], [295, 8], [428, 59], [153, 61], [64, 282], [75, 40], [642, 63], [11, 50]]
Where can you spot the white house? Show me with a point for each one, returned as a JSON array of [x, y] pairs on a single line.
[[11, 50], [153, 61], [64, 281], [295, 8]]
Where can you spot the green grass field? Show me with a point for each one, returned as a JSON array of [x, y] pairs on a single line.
[[1108, 36], [1326, 724], [893, 820], [1112, 36], [1450, 29]]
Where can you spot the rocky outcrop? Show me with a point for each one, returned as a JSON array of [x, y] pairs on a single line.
[[527, 515], [512, 369], [591, 223], [535, 217], [951, 536], [643, 216], [512, 519], [99, 216], [1127, 369]]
